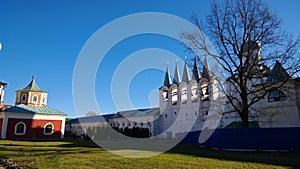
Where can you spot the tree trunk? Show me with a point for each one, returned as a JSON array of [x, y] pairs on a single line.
[[244, 109], [245, 119]]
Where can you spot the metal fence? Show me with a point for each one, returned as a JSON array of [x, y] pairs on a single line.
[[278, 139]]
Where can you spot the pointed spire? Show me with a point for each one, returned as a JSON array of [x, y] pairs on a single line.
[[32, 86], [196, 72], [176, 78], [278, 73], [205, 70], [186, 74], [167, 81]]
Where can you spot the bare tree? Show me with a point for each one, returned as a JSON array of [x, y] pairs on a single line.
[[248, 38]]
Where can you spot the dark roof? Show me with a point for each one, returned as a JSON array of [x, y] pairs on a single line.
[[205, 70], [91, 119], [32, 86], [167, 81], [250, 45], [185, 75], [176, 78], [196, 72], [21, 108], [137, 113], [278, 73], [3, 83]]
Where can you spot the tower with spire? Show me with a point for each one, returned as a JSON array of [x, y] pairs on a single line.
[[31, 95], [187, 96]]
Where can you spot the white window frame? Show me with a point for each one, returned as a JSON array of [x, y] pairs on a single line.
[[45, 129], [24, 131]]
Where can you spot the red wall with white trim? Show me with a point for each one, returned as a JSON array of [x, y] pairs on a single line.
[[34, 129]]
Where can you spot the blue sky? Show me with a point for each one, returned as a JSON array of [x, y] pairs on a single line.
[[45, 37]]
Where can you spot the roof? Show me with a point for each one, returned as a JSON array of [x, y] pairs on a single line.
[[22, 108], [278, 73], [3, 83], [176, 78], [137, 113], [167, 81], [185, 75], [205, 70], [196, 72], [32, 86], [250, 45], [91, 119]]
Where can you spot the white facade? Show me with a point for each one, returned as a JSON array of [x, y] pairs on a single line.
[[278, 108], [185, 105]]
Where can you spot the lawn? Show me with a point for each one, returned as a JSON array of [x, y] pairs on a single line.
[[84, 154]]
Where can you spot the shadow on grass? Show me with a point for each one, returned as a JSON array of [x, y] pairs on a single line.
[[289, 159], [70, 146]]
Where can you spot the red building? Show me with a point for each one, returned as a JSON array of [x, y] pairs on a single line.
[[31, 118]]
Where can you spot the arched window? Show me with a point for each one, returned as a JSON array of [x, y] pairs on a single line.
[[20, 128], [194, 90], [34, 99], [205, 91], [23, 97], [174, 95], [184, 94], [276, 96], [48, 129], [165, 95]]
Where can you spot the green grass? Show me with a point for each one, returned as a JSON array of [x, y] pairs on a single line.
[[84, 154]]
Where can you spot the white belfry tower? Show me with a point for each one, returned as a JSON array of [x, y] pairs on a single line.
[[186, 102]]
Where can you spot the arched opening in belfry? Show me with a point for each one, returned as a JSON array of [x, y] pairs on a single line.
[[194, 92], [205, 91], [174, 95], [184, 94], [165, 95]]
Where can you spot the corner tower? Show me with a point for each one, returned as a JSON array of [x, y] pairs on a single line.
[[31, 95]]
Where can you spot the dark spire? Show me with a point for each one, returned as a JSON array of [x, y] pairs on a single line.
[[278, 73], [167, 81], [185, 75], [196, 72], [176, 78], [205, 70]]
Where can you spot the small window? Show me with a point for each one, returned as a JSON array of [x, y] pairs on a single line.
[[135, 123], [175, 112], [34, 99], [149, 123], [276, 96], [23, 97], [129, 124], [142, 123], [48, 129], [166, 115], [20, 128]]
